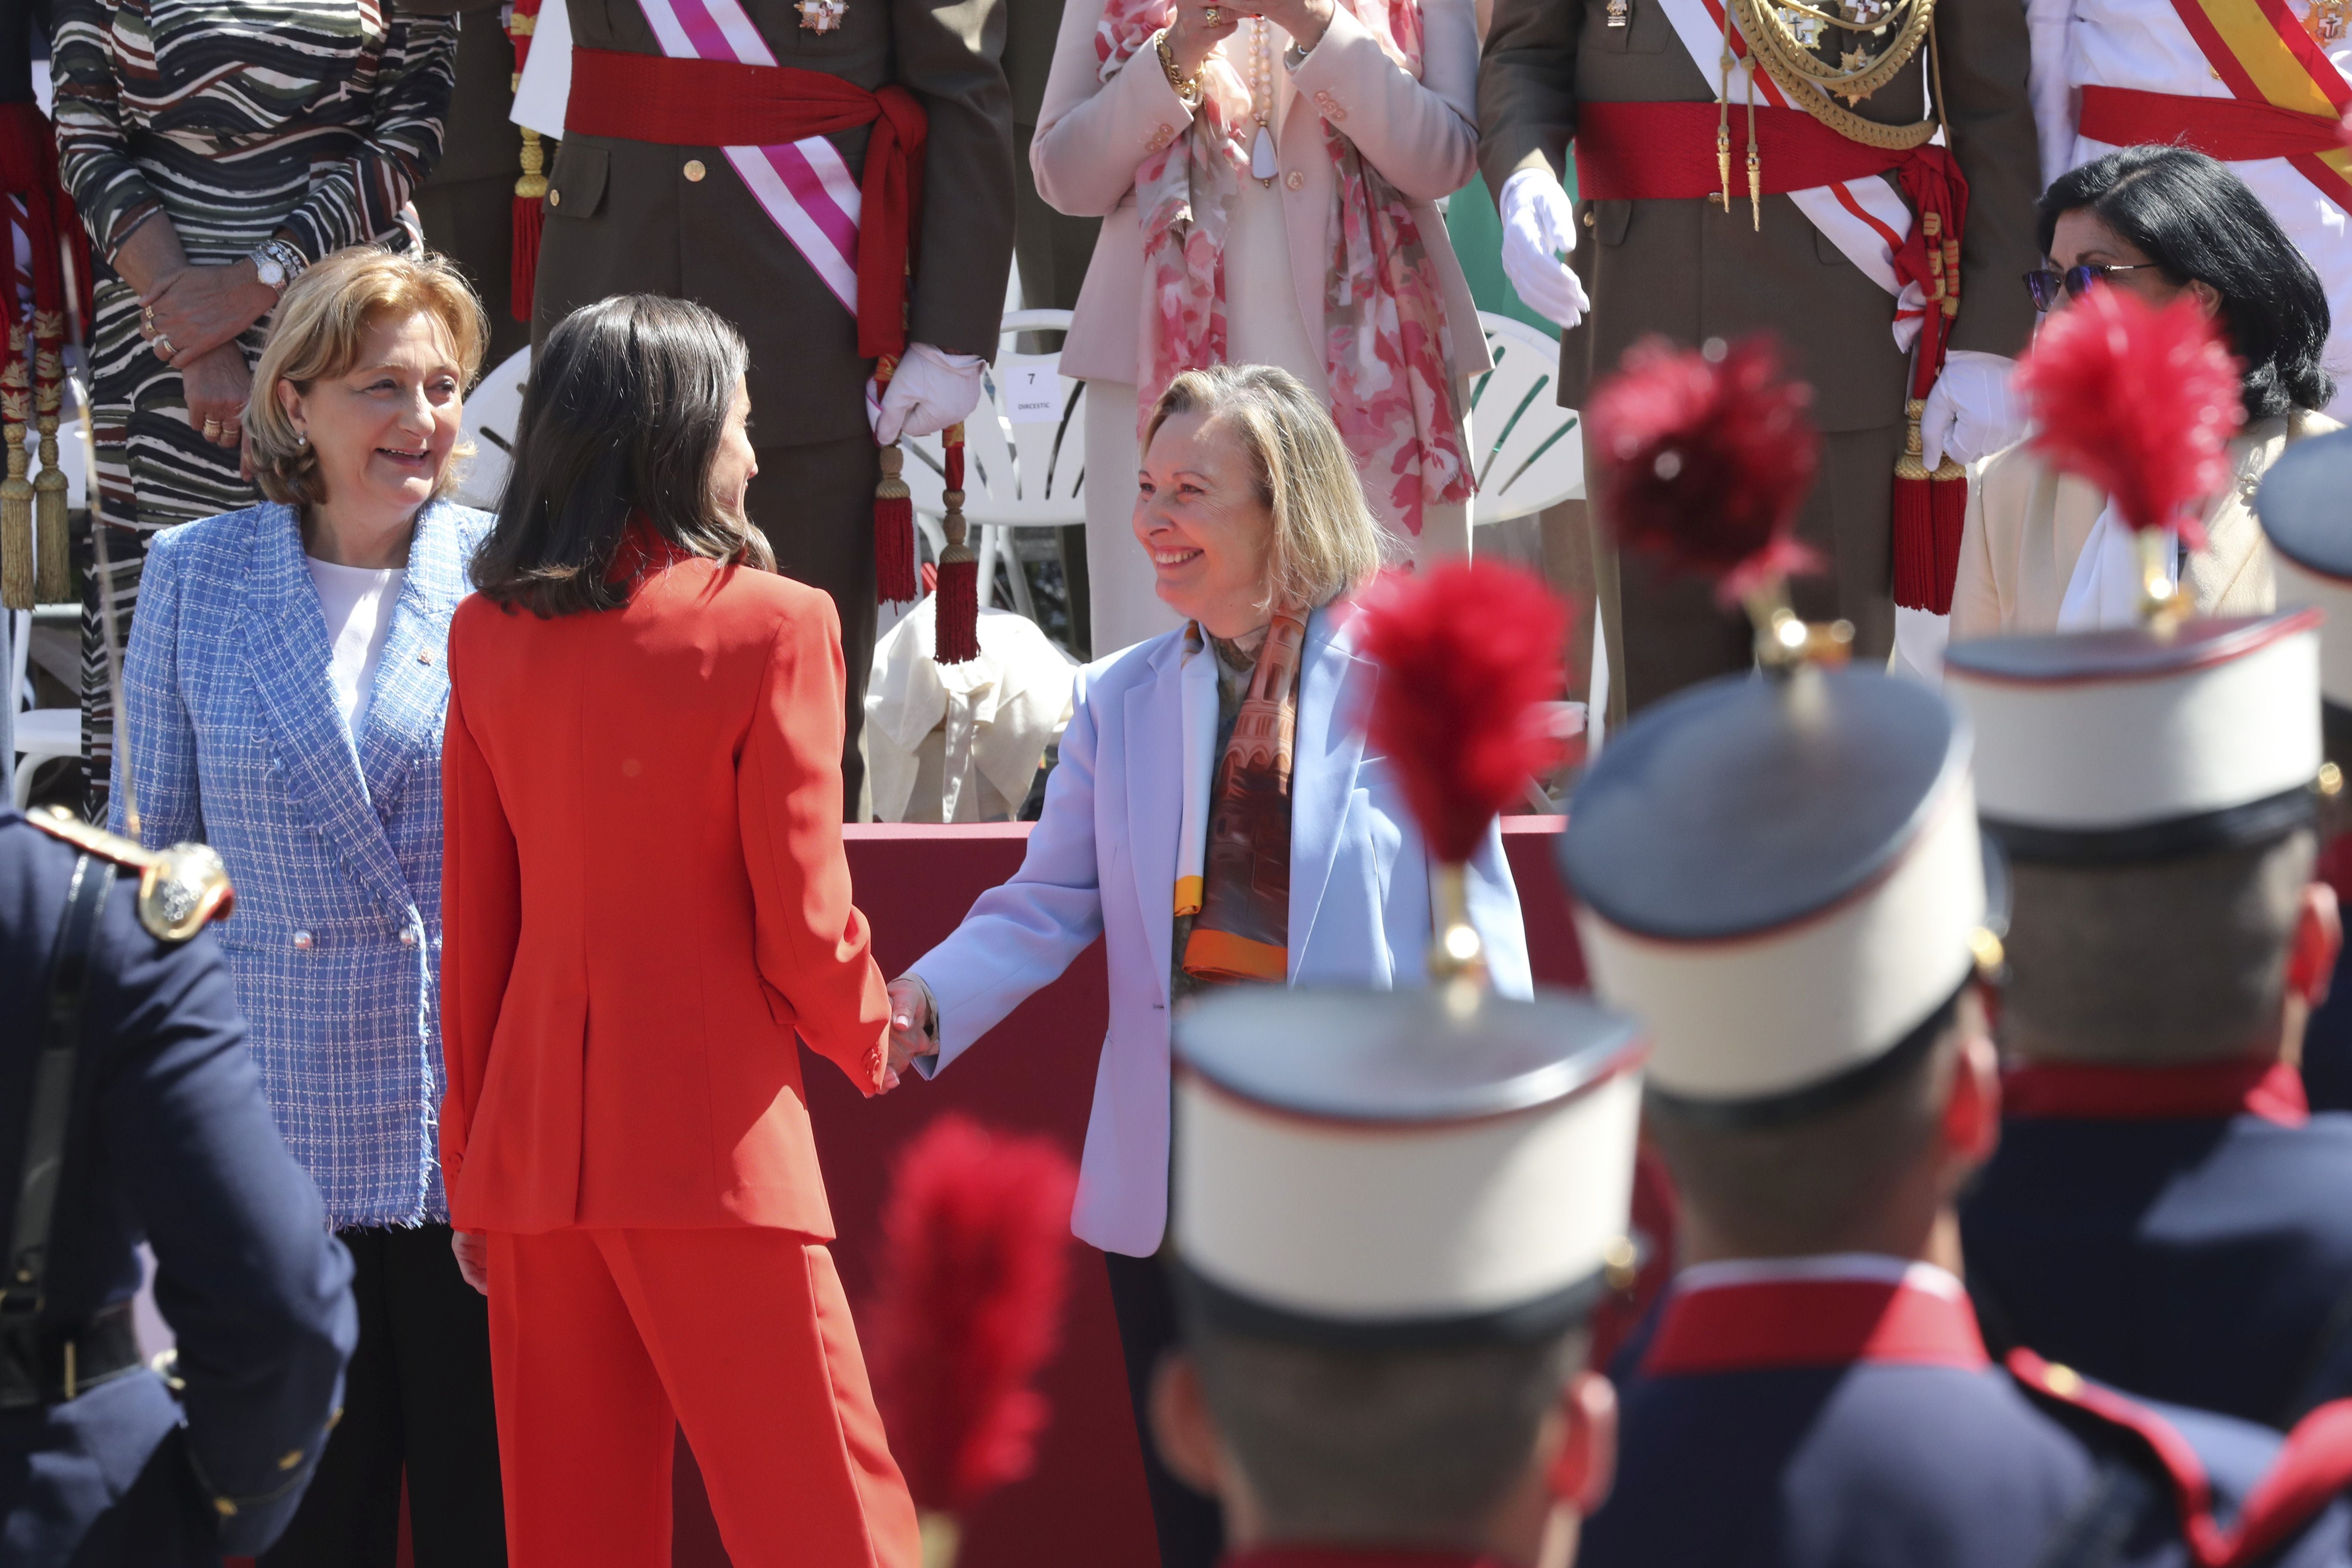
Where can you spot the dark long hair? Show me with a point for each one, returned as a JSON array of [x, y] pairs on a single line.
[[2198, 221], [622, 419]]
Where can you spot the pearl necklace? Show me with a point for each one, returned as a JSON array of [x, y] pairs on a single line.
[[1263, 162]]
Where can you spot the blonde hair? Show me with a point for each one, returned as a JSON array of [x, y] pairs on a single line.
[[320, 329], [1326, 540]]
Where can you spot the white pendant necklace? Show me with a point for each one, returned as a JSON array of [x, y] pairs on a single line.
[[1263, 165]]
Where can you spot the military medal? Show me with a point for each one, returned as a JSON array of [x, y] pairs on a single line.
[[1806, 29], [2324, 21], [823, 16], [1619, 11]]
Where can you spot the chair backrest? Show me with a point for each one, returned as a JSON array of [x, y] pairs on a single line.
[[1024, 472], [1530, 453], [493, 409]]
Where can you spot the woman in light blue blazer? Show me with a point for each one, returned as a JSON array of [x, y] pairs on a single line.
[[1170, 827], [286, 686]]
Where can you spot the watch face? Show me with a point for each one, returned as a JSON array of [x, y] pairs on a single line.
[[272, 271]]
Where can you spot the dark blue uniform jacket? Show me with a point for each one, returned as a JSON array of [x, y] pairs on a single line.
[[2204, 1261], [1891, 1463], [172, 1145]]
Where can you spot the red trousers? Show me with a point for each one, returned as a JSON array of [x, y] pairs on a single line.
[[602, 1342]]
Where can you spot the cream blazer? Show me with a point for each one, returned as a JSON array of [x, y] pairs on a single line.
[[2027, 524], [1093, 135]]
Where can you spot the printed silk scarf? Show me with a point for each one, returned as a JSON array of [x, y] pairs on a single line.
[[1234, 855], [1388, 350]]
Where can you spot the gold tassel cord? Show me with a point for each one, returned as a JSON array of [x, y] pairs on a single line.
[[54, 577], [16, 490]]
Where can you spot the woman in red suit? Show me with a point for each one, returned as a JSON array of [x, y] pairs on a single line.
[[645, 899]]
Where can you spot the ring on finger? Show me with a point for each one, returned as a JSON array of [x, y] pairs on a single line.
[[212, 430], [164, 349], [147, 317], [1214, 17]]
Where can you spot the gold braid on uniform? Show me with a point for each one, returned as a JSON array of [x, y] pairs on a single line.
[[1809, 79]]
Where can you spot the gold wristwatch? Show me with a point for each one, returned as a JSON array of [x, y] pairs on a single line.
[[1188, 89]]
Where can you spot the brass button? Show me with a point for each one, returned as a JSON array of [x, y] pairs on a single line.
[[1588, 219], [1293, 179], [554, 198], [695, 170]]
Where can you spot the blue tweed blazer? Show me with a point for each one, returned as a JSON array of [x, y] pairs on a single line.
[[335, 849]]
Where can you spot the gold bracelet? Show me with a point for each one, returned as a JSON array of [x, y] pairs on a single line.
[[1187, 89]]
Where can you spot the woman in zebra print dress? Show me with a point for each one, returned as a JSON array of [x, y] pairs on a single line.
[[216, 148]]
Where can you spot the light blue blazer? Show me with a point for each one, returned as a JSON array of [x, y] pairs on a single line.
[[335, 850], [1102, 859]]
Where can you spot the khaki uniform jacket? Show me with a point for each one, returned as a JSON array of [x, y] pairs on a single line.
[[1691, 271], [2028, 522], [631, 217]]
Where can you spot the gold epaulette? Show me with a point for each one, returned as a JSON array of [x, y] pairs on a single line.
[[181, 889]]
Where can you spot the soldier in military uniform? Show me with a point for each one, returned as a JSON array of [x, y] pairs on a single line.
[[1392, 1214], [2300, 505], [130, 1111], [2165, 1212], [1783, 878], [788, 163], [1821, 237]]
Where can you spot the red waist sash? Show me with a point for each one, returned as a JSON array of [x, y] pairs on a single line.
[[1650, 152], [2228, 129], [719, 103]]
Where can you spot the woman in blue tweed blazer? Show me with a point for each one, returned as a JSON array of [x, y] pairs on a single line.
[[286, 686]]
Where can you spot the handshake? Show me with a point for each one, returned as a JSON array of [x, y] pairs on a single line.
[[914, 1028]]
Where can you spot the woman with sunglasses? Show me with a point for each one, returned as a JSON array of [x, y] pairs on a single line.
[[2040, 553]]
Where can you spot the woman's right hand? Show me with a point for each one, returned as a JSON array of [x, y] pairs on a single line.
[[912, 1023], [473, 1250], [1193, 38], [217, 386]]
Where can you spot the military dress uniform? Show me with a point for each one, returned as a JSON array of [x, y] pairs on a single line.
[[1783, 877], [2173, 1229], [2300, 506], [1393, 1173], [1692, 268], [165, 1138], [627, 214]]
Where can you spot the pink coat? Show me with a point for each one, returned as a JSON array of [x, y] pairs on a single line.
[[1093, 135]]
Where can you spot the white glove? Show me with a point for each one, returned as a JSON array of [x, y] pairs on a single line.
[[1971, 412], [1538, 233], [929, 391]]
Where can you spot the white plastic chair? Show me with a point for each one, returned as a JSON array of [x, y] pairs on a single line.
[[41, 733], [1530, 455], [492, 411], [1025, 474]]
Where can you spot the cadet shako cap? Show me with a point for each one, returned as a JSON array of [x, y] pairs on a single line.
[[2306, 507], [1781, 877], [2138, 743], [1383, 1169]]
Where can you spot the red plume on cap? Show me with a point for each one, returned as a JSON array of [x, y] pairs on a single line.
[[2139, 399], [974, 1271], [1466, 650], [1704, 458]]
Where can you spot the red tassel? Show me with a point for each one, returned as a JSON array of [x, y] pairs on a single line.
[[1914, 542], [893, 533], [530, 215], [955, 608], [1948, 499]]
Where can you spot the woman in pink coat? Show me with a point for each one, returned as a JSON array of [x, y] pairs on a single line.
[[1266, 173]]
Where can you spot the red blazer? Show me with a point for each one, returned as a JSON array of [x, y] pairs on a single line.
[[644, 897]]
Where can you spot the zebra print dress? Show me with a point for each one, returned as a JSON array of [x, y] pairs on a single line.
[[236, 119]]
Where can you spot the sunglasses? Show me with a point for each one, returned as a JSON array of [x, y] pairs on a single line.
[[2044, 283]]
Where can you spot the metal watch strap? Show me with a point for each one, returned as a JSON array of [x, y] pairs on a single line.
[[23, 1292]]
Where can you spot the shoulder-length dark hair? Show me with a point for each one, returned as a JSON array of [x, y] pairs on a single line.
[[622, 419], [2198, 221]]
